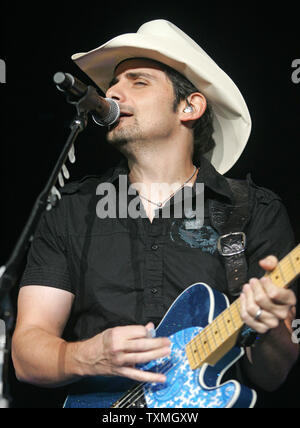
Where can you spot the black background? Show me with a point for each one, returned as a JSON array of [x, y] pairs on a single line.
[[255, 44]]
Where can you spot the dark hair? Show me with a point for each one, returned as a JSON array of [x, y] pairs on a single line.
[[203, 127]]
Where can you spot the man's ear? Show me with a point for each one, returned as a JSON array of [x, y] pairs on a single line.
[[193, 107]]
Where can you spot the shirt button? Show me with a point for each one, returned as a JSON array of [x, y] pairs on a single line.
[[154, 247], [154, 290]]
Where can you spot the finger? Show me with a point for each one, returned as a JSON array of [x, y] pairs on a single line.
[[260, 296], [142, 345], [145, 357], [280, 296], [282, 300], [130, 359], [132, 332], [268, 263], [272, 312], [150, 330], [290, 318], [149, 326], [271, 298], [140, 375], [257, 299], [249, 310]]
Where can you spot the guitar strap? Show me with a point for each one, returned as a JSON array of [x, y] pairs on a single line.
[[230, 222]]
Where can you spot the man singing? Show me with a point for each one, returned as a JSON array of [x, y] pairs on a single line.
[[95, 288]]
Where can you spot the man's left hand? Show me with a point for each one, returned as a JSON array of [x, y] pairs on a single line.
[[264, 304]]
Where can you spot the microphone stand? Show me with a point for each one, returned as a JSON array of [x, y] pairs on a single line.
[[12, 270]]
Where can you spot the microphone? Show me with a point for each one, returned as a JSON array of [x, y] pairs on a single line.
[[105, 111]]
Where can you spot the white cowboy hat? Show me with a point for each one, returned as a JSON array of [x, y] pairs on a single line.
[[163, 41]]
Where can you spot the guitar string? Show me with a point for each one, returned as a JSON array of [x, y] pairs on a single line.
[[292, 264], [129, 394], [208, 331], [284, 266], [140, 388]]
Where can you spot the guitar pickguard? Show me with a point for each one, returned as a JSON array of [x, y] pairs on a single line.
[[182, 388]]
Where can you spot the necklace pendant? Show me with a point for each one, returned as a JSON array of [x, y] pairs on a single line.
[[160, 204]]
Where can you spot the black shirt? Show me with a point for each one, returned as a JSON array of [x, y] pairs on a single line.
[[126, 271]]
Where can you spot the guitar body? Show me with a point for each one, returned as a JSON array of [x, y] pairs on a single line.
[[196, 307]]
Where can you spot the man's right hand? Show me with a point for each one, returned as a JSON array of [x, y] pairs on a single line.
[[42, 357], [116, 351]]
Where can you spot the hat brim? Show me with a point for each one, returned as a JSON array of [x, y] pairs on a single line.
[[232, 122]]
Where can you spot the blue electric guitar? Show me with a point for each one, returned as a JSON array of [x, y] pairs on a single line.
[[203, 330]]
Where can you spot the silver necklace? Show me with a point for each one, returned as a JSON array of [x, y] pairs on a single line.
[[160, 204]]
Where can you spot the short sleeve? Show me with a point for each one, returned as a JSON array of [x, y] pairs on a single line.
[[47, 257], [269, 232]]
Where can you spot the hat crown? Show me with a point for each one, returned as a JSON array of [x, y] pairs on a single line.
[[164, 28]]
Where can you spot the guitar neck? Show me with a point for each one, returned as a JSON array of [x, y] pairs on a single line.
[[212, 343]]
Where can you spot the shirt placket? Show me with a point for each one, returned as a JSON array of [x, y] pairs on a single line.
[[153, 291]]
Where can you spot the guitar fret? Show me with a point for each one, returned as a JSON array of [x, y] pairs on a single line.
[[225, 324], [220, 329], [236, 314], [276, 277], [287, 269], [281, 272], [228, 323], [193, 348], [229, 311], [203, 347], [213, 336], [292, 264], [295, 257], [195, 352], [216, 331], [207, 340]]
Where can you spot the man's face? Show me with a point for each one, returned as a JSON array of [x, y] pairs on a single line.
[[145, 96]]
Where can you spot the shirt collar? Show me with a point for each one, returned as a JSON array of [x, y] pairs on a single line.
[[207, 174], [213, 179]]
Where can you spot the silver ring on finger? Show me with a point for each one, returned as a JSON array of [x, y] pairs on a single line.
[[258, 315]]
